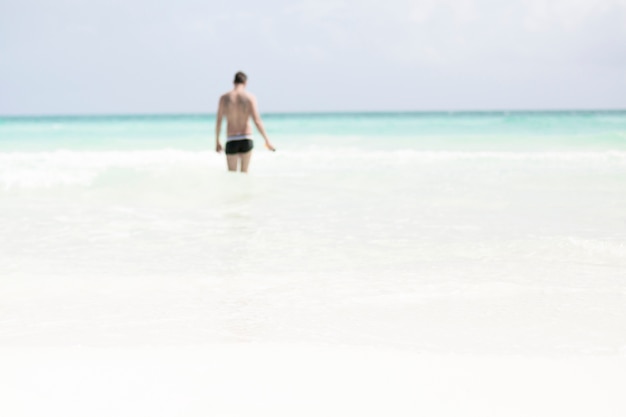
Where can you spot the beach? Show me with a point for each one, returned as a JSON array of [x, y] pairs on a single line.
[[377, 263]]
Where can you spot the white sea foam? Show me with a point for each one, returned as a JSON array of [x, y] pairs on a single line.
[[388, 248], [342, 276], [46, 169]]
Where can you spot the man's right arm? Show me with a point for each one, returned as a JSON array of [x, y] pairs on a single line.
[[218, 124], [256, 117]]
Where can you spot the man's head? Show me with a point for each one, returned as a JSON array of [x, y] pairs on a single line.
[[240, 78]]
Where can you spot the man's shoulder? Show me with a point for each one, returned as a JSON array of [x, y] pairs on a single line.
[[250, 96]]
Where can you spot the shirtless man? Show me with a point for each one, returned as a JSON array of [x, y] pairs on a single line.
[[238, 106]]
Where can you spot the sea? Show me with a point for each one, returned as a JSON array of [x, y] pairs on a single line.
[[465, 232]]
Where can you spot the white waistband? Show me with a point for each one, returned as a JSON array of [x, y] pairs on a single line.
[[238, 137]]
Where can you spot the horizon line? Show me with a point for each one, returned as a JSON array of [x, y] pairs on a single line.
[[315, 112]]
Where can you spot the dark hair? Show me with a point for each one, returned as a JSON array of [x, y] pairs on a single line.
[[240, 78]]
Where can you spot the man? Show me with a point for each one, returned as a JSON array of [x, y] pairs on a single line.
[[238, 106]]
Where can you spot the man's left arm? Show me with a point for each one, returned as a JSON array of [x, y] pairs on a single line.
[[218, 125]]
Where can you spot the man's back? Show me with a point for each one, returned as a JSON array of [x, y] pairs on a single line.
[[237, 107]]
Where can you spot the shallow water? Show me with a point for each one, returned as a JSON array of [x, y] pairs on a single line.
[[471, 232]]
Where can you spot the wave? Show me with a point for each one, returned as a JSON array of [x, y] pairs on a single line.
[[68, 167], [143, 157]]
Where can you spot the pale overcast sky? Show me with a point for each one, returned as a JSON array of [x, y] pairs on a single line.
[[151, 56]]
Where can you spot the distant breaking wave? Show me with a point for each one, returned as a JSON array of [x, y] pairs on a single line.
[[146, 157], [81, 168]]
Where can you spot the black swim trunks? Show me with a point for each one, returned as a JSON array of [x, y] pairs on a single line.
[[238, 146]]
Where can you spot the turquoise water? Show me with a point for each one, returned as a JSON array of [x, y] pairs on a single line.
[[417, 131], [405, 230]]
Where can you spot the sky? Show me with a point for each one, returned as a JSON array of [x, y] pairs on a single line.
[[152, 56]]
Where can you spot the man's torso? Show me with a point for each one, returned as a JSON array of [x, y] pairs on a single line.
[[237, 109]]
